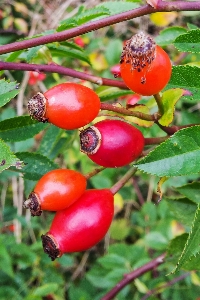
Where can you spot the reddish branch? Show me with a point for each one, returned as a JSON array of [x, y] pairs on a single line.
[[124, 111], [61, 70], [133, 275], [94, 25]]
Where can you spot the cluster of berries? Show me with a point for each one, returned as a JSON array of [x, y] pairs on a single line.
[[83, 216]]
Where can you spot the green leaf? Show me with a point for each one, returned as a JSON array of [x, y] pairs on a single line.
[[191, 191], [20, 128], [119, 229], [58, 50], [46, 289], [176, 246], [186, 77], [191, 247], [82, 17], [32, 52], [6, 262], [116, 7], [168, 35], [108, 93], [169, 100], [8, 90], [188, 42], [113, 51], [155, 240], [177, 156], [7, 158], [183, 209], [36, 165]]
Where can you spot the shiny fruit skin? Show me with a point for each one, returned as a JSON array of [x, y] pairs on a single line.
[[83, 224], [121, 143], [156, 77], [71, 105], [59, 188]]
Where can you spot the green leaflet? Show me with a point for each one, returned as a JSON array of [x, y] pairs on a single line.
[[177, 156], [188, 42]]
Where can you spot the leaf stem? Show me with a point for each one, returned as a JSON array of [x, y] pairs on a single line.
[[159, 103], [119, 184]]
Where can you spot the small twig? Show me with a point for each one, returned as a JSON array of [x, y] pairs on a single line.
[[124, 111], [62, 70], [168, 284], [173, 129], [81, 266], [138, 192], [119, 184], [133, 275], [158, 140], [94, 172]]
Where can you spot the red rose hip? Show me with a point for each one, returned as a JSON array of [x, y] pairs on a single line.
[[145, 66], [56, 190], [66, 105], [82, 225], [112, 143]]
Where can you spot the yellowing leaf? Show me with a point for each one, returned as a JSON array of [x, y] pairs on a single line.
[[118, 203], [169, 100], [98, 61], [159, 187], [163, 18], [21, 8], [21, 24], [177, 228], [139, 108]]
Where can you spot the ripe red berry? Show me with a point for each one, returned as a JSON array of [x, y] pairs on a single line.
[[82, 225], [112, 143], [56, 190], [115, 70], [66, 105], [34, 77], [145, 67]]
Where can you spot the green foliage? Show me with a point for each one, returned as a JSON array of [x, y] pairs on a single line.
[[182, 159], [141, 229]]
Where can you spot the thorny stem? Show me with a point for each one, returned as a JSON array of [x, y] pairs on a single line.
[[61, 70], [124, 111], [119, 184], [94, 172], [95, 25], [133, 275]]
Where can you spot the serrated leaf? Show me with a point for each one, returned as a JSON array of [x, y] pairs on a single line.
[[177, 156], [108, 93], [7, 158], [58, 50], [189, 42], [8, 90], [191, 191], [36, 165], [116, 7], [188, 78], [168, 102], [168, 35], [20, 128], [139, 108], [191, 247], [183, 209]]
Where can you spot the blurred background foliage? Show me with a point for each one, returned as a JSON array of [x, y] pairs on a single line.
[[141, 230]]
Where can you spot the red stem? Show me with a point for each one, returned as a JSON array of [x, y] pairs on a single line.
[[94, 25], [133, 275], [61, 70]]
